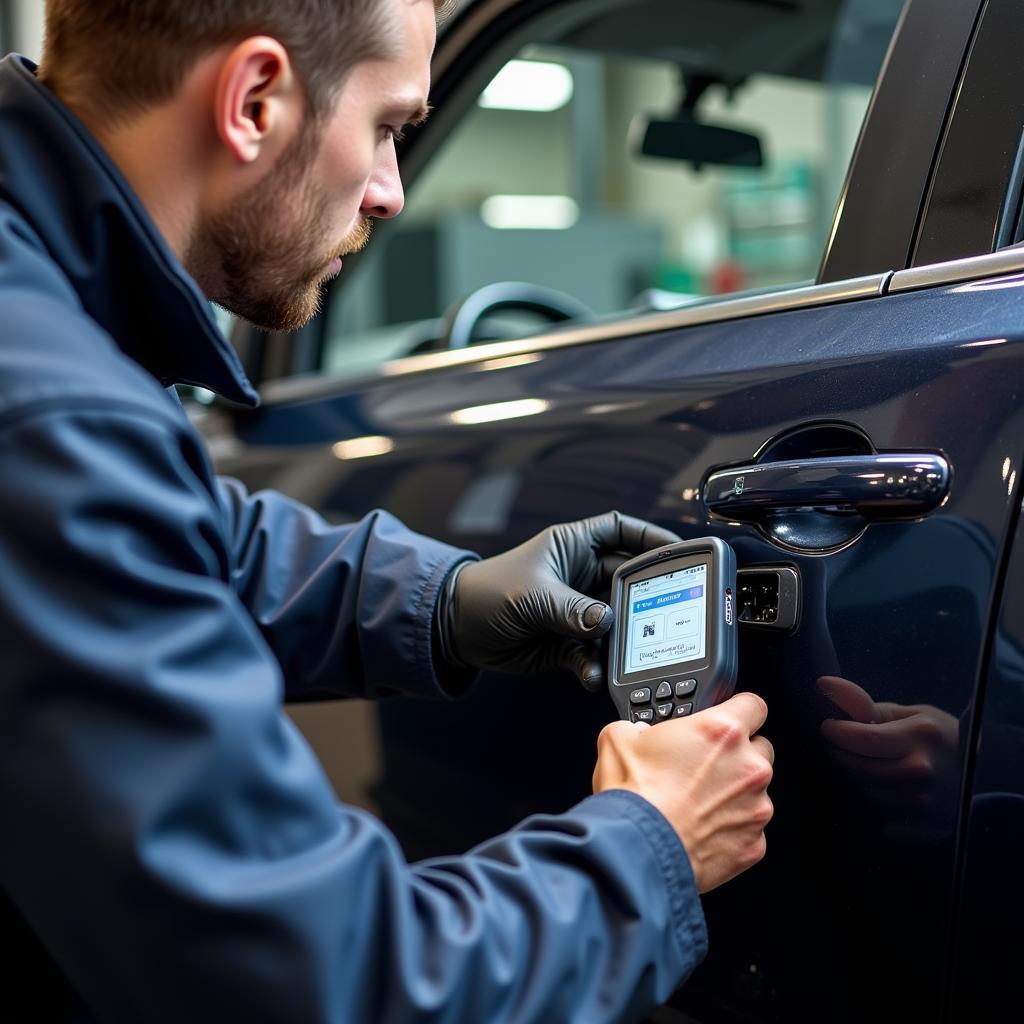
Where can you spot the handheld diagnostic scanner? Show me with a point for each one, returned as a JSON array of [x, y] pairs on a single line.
[[672, 649]]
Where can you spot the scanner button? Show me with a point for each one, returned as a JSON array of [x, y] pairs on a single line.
[[643, 715], [664, 690], [682, 710], [664, 710], [641, 696], [686, 688]]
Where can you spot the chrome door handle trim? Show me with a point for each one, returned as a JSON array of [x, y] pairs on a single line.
[[894, 485]]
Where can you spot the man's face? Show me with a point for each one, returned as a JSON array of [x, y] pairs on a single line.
[[281, 240]]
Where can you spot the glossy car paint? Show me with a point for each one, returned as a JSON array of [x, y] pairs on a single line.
[[986, 961], [855, 897]]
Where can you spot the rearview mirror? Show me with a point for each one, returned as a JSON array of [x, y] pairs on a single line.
[[701, 144]]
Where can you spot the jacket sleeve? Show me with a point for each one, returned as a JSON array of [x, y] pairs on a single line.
[[347, 610], [171, 837]]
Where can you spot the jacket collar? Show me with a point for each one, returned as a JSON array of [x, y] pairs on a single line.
[[97, 231]]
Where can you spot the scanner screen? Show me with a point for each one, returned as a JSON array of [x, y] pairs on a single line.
[[666, 620]]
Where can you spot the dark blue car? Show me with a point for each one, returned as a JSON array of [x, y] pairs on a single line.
[[746, 268]]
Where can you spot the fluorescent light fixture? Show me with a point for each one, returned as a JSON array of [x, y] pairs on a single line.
[[500, 411], [544, 213], [363, 447], [529, 85]]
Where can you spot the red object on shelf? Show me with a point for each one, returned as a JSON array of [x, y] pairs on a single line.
[[726, 278]]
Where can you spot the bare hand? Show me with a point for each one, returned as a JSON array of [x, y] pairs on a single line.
[[903, 754], [707, 774]]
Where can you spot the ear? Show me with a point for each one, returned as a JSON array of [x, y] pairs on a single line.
[[258, 103]]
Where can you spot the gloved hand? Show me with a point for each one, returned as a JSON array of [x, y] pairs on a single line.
[[533, 608]]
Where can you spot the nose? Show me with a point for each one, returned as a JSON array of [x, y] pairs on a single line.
[[384, 197]]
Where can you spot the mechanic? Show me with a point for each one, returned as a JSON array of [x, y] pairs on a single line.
[[172, 849]]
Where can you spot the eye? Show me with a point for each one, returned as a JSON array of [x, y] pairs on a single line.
[[392, 133]]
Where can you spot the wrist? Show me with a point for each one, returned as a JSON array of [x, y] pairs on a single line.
[[446, 658]]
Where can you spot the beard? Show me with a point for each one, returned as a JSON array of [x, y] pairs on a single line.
[[269, 250]]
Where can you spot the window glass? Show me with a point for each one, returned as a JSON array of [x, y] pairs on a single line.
[[652, 155], [6, 40], [21, 22]]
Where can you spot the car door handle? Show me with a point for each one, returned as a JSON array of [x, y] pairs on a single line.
[[878, 486]]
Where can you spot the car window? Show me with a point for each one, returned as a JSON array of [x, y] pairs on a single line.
[[21, 27], [644, 157]]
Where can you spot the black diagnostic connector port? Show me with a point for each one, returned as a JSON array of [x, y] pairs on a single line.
[[759, 598], [768, 596]]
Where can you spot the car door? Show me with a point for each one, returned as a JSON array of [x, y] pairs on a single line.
[[863, 431]]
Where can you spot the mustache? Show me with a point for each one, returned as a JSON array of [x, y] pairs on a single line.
[[357, 239]]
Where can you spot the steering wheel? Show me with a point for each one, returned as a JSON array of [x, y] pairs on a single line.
[[463, 320]]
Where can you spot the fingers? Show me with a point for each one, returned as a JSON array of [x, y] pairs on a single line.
[[750, 709], [619, 730], [585, 663], [567, 612], [616, 532], [763, 746], [889, 740], [894, 769], [638, 536], [606, 566], [887, 711], [849, 697]]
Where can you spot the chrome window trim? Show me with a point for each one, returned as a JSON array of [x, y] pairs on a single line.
[[656, 323], [689, 316], [972, 268], [1004, 263]]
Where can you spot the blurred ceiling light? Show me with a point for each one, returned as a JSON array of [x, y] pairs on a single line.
[[500, 411], [363, 447], [529, 85], [545, 213]]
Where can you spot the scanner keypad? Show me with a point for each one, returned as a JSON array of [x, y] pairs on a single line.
[[672, 698]]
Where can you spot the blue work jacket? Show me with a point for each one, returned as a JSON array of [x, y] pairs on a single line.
[[172, 851]]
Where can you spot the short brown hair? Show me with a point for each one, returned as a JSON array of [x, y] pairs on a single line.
[[122, 56]]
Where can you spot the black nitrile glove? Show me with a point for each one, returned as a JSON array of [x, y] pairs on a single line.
[[532, 609]]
